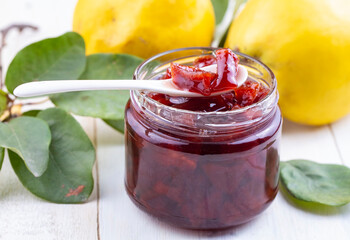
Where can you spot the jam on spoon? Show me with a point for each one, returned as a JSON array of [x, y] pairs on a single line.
[[193, 79]]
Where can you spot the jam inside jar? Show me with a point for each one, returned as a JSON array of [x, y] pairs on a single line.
[[202, 170]]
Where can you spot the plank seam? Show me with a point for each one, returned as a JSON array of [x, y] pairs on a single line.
[[97, 181], [336, 144]]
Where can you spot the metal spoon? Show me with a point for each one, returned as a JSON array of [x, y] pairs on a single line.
[[160, 86]]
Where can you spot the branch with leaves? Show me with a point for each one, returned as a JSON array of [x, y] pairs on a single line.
[[48, 149]]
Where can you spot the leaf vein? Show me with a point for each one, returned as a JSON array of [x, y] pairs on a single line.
[[56, 62]]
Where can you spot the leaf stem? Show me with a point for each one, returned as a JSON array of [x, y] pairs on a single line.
[[35, 103], [233, 8]]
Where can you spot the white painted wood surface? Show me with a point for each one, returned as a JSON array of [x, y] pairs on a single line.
[[109, 214]]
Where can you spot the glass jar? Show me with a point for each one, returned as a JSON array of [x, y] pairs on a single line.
[[202, 170]]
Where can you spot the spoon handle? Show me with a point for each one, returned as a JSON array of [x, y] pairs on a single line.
[[166, 86], [58, 86]]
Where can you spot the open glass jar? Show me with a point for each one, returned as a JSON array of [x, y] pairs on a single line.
[[202, 170]]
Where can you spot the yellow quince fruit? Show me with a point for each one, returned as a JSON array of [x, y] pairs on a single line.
[[143, 27], [307, 45]]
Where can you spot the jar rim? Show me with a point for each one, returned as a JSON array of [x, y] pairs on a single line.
[[203, 123], [267, 98]]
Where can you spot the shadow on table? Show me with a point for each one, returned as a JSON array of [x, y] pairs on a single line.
[[232, 231], [225, 232], [314, 208]]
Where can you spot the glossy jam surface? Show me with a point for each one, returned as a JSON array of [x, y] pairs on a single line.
[[249, 93], [227, 68], [193, 79]]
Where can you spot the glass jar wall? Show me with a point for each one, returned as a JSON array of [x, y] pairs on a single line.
[[202, 170]]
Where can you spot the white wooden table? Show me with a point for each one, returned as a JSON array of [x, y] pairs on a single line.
[[109, 214]]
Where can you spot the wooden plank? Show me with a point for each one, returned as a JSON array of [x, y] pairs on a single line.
[[317, 144], [308, 142], [120, 219], [341, 134], [24, 216]]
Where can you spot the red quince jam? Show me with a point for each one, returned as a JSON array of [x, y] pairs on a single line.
[[227, 63], [201, 183], [197, 177], [193, 79], [247, 94], [204, 61]]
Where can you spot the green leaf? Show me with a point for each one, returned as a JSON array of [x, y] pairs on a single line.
[[31, 113], [110, 66], [50, 59], [3, 102], [116, 124], [2, 154], [98, 104], [30, 138], [327, 184], [101, 104], [220, 7], [68, 178]]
